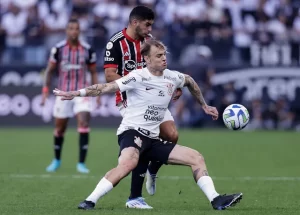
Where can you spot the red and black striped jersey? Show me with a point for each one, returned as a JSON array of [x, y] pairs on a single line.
[[124, 53], [72, 63]]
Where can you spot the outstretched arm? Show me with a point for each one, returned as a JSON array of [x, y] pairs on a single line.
[[94, 90], [196, 92]]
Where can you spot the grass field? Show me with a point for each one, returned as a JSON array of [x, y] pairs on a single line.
[[265, 166]]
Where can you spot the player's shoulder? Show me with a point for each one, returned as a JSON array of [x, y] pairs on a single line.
[[117, 37], [85, 44], [60, 44], [173, 74]]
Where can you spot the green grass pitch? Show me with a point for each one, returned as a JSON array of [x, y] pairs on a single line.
[[265, 166]]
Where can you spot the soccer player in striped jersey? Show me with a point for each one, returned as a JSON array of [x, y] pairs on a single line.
[[123, 55], [72, 58]]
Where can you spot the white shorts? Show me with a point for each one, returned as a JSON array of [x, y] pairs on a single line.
[[69, 108], [168, 116]]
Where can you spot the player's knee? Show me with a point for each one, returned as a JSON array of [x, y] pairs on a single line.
[[197, 158], [128, 166], [83, 124], [59, 132], [172, 136]]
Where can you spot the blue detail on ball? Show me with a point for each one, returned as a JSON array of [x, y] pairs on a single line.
[[236, 106]]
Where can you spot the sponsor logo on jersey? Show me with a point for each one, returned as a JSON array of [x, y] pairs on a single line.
[[109, 45], [69, 66], [126, 54], [109, 59], [161, 93], [130, 65], [152, 113], [129, 80], [146, 79], [144, 131], [180, 77], [107, 53], [169, 78]]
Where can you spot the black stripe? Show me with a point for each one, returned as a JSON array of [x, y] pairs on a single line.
[[131, 50], [124, 96]]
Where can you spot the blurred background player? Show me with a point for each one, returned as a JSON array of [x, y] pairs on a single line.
[[73, 58], [122, 55]]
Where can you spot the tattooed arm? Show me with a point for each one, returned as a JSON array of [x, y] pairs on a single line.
[[94, 90], [196, 92]]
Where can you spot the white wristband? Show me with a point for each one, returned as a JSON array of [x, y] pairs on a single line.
[[82, 92]]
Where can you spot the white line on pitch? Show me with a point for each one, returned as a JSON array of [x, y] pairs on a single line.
[[245, 178]]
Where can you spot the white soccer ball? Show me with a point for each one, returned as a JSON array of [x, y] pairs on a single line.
[[236, 117]]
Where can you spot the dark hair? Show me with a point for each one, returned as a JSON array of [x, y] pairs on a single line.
[[73, 21], [146, 47], [141, 13]]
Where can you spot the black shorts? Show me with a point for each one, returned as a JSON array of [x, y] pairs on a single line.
[[150, 149]]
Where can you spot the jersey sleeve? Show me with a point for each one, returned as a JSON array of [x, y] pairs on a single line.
[[92, 57], [112, 55], [53, 58], [129, 82], [180, 80]]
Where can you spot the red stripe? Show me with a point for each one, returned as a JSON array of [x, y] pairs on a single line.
[[110, 66], [138, 55]]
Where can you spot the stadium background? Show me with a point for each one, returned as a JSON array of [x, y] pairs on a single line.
[[239, 51]]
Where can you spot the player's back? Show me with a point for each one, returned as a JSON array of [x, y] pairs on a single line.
[[72, 64]]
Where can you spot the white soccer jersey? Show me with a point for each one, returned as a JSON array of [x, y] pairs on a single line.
[[148, 98]]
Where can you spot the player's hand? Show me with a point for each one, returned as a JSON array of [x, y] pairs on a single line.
[[45, 94], [44, 98], [211, 111], [66, 95], [98, 102], [177, 95]]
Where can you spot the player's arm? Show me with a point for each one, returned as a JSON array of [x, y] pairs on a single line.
[[111, 74], [194, 89], [47, 82], [112, 59], [94, 90]]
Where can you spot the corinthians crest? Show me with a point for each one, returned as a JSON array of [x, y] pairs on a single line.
[[170, 88]]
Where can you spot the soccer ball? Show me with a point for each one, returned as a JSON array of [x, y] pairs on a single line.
[[236, 117]]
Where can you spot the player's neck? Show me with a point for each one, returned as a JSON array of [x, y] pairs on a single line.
[[73, 43], [131, 33], [155, 72]]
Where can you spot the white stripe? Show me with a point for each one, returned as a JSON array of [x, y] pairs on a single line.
[[117, 36], [242, 74], [245, 178]]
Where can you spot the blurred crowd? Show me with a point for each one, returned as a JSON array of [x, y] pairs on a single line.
[[227, 29], [199, 34]]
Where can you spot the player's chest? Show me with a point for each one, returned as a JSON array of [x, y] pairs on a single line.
[[73, 60], [131, 56], [160, 92]]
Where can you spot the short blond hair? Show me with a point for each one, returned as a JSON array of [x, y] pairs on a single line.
[[146, 47]]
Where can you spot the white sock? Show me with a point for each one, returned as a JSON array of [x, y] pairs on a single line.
[[103, 187], [207, 186]]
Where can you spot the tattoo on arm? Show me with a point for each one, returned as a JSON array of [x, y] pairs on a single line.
[[194, 89], [195, 173], [97, 89]]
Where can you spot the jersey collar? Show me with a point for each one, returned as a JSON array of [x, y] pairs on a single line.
[[129, 38]]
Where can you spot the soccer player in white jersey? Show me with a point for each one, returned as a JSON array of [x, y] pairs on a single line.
[[149, 91]]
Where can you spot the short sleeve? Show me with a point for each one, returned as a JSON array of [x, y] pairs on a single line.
[[180, 80], [129, 82], [112, 55], [92, 57], [53, 58]]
